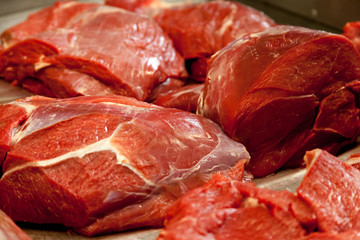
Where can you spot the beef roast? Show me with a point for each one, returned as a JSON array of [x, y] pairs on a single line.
[[103, 164], [125, 51], [9, 230], [283, 91], [56, 16], [199, 30]]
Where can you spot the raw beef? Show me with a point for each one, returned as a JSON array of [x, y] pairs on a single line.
[[352, 31], [55, 16], [332, 189], [126, 52], [228, 209], [184, 98], [283, 91], [104, 164], [326, 206], [199, 30], [9, 230]]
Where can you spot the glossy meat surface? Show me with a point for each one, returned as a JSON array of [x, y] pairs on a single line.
[[127, 52], [104, 164], [199, 30], [332, 190], [56, 16], [283, 91], [228, 209], [325, 206]]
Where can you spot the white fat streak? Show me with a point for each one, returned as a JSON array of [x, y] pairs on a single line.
[[316, 155], [69, 4], [102, 145], [29, 108], [36, 125], [228, 21], [353, 161], [40, 65]]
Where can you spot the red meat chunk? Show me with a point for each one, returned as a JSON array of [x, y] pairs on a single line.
[[126, 52], [228, 209], [283, 91], [332, 189], [49, 18], [199, 30], [104, 164], [326, 206], [9, 230]]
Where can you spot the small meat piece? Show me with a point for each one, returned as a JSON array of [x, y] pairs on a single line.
[[9, 230], [104, 164], [332, 189], [352, 31], [200, 30], [284, 91], [125, 51], [228, 209], [184, 98]]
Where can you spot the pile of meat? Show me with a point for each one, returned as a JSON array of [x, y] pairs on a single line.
[[142, 103], [325, 206]]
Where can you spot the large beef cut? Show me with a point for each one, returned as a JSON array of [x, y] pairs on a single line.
[[9, 230], [283, 91], [49, 18], [103, 164], [326, 206], [127, 53], [199, 30]]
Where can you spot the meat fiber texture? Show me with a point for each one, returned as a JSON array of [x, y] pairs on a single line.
[[9, 230], [199, 30], [326, 206], [101, 50], [283, 91], [104, 164]]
